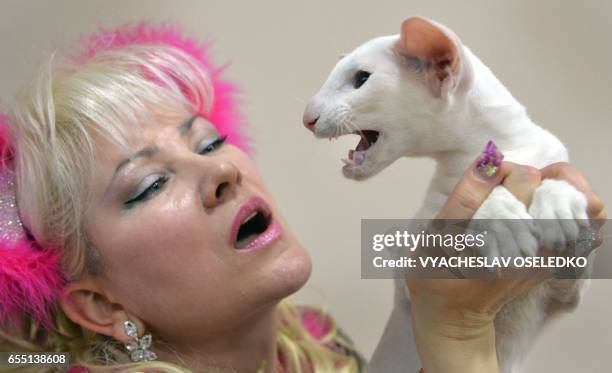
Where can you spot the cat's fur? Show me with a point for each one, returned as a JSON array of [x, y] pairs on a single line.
[[430, 96]]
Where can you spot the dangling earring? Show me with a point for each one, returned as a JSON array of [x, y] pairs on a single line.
[[138, 347]]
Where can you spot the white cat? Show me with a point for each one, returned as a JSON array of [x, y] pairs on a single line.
[[424, 94]]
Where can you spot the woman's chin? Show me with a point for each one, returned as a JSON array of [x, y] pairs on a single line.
[[290, 271]]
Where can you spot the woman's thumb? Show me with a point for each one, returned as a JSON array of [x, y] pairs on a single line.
[[484, 174]]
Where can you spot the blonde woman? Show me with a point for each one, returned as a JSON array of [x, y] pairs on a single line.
[[153, 244]]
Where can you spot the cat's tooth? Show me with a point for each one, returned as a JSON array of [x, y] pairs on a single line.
[[347, 162]]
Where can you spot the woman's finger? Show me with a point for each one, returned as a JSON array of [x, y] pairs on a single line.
[[522, 181], [569, 173], [474, 188], [471, 191]]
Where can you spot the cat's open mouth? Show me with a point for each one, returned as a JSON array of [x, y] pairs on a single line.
[[367, 139]]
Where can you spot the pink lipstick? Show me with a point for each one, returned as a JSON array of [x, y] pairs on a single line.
[[254, 227]]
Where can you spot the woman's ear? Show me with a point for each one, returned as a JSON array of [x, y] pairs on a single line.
[[86, 302]]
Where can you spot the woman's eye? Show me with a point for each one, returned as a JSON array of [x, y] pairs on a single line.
[[213, 145], [360, 77], [159, 183], [155, 187]]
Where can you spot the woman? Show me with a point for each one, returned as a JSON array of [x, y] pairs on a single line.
[[130, 163]]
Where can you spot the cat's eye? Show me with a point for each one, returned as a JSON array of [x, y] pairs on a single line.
[[360, 78]]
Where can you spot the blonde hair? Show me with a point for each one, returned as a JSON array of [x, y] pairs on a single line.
[[52, 123]]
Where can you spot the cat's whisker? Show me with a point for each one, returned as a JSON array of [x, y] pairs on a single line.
[[340, 129], [344, 129], [351, 127]]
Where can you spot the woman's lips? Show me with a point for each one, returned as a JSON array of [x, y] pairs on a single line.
[[270, 235], [272, 232]]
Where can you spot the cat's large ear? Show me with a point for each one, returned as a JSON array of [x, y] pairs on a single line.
[[433, 52]]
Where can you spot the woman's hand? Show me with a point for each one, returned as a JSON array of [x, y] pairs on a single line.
[[453, 319], [456, 316]]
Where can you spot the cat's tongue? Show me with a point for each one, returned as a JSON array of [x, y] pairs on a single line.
[[357, 156], [367, 139]]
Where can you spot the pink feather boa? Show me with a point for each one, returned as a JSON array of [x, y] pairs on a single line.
[[30, 279]]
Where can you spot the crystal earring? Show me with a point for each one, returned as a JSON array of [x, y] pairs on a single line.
[[138, 347]]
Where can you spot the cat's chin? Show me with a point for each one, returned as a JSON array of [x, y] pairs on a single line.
[[358, 173], [354, 174], [375, 162]]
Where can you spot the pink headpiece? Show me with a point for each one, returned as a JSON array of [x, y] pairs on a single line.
[[224, 114], [30, 278]]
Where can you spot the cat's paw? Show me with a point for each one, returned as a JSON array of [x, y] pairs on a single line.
[[509, 226], [560, 211]]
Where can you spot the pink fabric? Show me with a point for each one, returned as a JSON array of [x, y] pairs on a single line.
[[224, 114], [315, 324], [29, 277], [29, 280]]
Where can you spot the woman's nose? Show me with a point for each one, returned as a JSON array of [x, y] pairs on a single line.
[[223, 177]]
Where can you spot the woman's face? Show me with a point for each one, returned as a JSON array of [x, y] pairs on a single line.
[[191, 241]]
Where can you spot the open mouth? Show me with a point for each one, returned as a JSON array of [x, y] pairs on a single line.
[[358, 155], [253, 226]]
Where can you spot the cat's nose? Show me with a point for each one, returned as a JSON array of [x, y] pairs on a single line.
[[310, 120]]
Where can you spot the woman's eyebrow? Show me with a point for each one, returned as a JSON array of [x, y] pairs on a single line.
[[185, 127], [150, 150]]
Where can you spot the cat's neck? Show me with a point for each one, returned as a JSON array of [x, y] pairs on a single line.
[[505, 123], [487, 112]]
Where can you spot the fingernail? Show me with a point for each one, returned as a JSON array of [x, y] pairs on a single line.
[[489, 162]]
